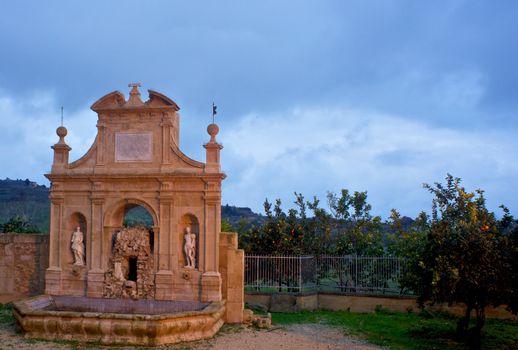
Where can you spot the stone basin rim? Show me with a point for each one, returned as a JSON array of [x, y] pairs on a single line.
[[23, 309], [116, 329]]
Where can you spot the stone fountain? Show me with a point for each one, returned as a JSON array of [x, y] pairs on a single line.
[[178, 279]]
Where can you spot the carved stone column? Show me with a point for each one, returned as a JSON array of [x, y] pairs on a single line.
[[163, 247], [96, 274], [211, 278], [53, 273], [101, 127], [166, 125]]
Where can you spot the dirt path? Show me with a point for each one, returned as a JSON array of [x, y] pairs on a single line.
[[294, 337]]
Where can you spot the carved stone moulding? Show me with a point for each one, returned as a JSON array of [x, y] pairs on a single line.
[[112, 322]]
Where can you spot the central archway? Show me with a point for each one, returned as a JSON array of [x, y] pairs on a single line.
[[114, 216], [128, 213], [130, 226], [137, 215]]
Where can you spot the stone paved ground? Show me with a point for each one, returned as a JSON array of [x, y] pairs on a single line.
[[294, 337]]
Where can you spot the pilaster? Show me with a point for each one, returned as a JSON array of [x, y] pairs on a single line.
[[101, 128], [210, 286], [95, 275]]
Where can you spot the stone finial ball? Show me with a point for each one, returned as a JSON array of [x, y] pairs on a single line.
[[213, 129], [61, 131]]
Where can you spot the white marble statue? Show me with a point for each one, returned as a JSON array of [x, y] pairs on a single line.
[[189, 248], [78, 247]]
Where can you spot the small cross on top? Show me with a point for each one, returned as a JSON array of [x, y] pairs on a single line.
[[134, 88]]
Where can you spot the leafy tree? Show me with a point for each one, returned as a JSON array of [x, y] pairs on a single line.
[[18, 224], [509, 259], [408, 244], [265, 239], [291, 233], [461, 258], [358, 232], [226, 226], [348, 229], [355, 232], [319, 237]]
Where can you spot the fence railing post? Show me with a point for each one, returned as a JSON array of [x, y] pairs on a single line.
[[356, 273]]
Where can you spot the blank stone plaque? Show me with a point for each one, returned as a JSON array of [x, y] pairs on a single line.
[[133, 147]]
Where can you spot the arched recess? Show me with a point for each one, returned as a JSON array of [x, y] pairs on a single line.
[[76, 220], [114, 216], [114, 222], [189, 220]]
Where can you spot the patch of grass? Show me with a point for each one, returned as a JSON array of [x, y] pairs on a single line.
[[6, 314], [405, 331]]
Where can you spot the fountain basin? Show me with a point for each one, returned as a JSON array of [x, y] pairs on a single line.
[[117, 321]]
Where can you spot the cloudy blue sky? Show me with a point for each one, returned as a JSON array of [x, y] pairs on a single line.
[[313, 96]]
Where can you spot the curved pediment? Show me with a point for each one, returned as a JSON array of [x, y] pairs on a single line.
[[185, 159], [112, 100], [136, 138], [157, 99], [116, 100]]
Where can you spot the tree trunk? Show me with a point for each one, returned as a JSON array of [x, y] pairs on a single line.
[[463, 323], [475, 333]]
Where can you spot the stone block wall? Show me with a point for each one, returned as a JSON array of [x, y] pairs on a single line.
[[23, 261], [232, 269], [284, 302]]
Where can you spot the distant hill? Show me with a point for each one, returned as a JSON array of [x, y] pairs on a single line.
[[241, 216], [25, 199], [30, 201]]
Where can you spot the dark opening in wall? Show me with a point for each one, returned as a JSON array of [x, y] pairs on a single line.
[[151, 240], [132, 269]]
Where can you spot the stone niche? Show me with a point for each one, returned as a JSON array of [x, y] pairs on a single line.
[[136, 161]]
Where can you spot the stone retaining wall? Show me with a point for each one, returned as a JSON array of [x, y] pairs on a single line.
[[231, 267], [283, 302], [23, 261]]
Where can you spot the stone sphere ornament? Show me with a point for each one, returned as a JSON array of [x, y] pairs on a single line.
[[213, 130]]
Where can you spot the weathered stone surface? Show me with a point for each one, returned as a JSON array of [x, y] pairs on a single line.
[[34, 318], [231, 266], [130, 243], [283, 303], [23, 260], [136, 161]]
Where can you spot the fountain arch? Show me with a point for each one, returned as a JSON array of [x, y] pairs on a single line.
[[114, 215], [135, 160]]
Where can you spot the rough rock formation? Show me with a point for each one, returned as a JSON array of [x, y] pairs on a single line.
[[131, 255]]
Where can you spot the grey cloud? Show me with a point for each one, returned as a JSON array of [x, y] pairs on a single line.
[[446, 65]]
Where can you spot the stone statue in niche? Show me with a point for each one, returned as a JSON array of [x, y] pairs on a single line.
[[78, 247], [189, 248]]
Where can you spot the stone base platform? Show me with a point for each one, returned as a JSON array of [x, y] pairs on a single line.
[[9, 298], [97, 320]]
